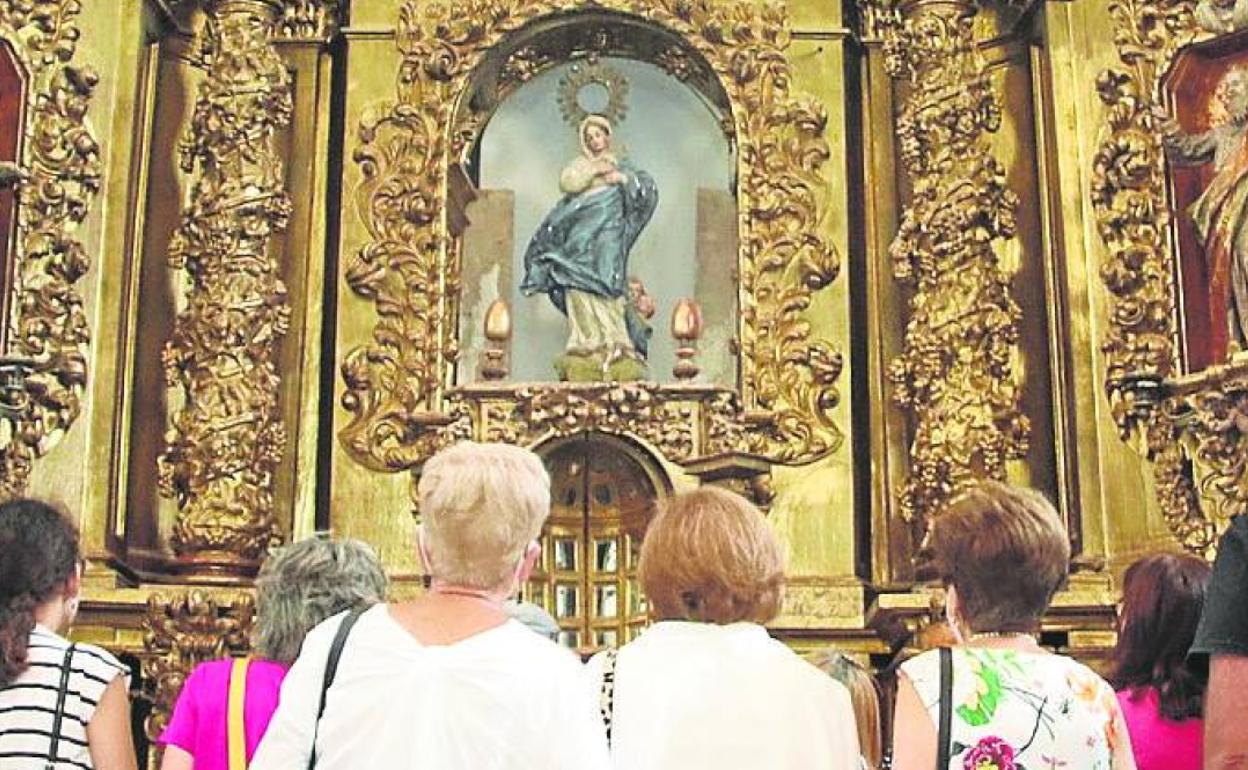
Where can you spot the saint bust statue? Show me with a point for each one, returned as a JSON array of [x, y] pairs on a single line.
[[579, 259]]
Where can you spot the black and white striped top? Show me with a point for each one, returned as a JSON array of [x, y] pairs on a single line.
[[28, 705]]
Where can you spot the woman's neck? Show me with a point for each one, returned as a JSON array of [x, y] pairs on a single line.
[[53, 615], [454, 593], [1003, 640]]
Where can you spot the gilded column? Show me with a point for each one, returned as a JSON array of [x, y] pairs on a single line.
[[226, 439], [956, 372]]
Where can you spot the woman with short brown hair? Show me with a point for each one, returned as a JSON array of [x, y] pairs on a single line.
[[1002, 553], [706, 686]]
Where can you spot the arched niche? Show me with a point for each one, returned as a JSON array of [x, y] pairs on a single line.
[[672, 118]]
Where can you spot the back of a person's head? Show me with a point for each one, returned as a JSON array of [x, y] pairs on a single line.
[[1163, 596], [710, 556], [307, 582], [38, 554], [864, 693], [480, 506], [1006, 552]]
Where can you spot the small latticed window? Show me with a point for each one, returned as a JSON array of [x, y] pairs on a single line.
[[602, 498]]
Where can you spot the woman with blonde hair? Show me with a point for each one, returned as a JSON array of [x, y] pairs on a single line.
[[448, 680], [864, 693], [298, 587], [999, 699], [706, 686]]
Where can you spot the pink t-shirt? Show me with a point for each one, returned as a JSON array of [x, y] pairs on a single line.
[[199, 717], [1160, 743]]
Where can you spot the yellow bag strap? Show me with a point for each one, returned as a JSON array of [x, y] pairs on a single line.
[[236, 734]]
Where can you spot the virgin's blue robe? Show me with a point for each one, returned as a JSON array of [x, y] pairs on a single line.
[[584, 242]]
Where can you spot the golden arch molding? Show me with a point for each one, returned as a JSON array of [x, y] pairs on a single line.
[[400, 391]]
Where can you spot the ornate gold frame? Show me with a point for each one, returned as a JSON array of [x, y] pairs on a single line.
[[60, 169], [399, 387], [1196, 426]]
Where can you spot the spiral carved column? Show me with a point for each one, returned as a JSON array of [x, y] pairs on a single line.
[[956, 372], [224, 443]]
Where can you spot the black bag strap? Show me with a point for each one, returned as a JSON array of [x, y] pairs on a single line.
[[606, 697], [946, 709], [61, 692], [331, 670]]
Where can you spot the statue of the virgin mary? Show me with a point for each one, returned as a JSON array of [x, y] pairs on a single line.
[[579, 258]]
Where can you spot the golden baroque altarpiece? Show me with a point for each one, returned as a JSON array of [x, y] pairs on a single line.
[[275, 287]]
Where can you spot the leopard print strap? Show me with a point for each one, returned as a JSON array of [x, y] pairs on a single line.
[[606, 697]]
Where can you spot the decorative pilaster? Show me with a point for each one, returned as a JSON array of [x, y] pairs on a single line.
[[225, 442], [956, 373], [46, 332]]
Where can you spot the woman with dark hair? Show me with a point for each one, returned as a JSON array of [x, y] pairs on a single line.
[[1160, 691], [62, 705]]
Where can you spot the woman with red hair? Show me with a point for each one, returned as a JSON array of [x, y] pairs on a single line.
[[1161, 692]]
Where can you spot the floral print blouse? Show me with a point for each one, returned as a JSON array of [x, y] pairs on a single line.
[[1024, 711]]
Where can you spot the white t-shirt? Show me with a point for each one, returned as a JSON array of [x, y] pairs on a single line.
[[504, 699], [698, 696], [28, 705]]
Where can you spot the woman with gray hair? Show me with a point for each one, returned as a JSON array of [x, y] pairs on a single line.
[[225, 705], [447, 680]]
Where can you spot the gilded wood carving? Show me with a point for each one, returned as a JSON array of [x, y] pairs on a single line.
[[224, 444], [60, 175], [399, 387], [956, 375], [1194, 425], [182, 631]]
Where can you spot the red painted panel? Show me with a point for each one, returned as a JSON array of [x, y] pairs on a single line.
[[12, 106], [1190, 86]]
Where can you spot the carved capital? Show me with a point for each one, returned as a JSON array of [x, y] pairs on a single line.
[[956, 374], [224, 444]]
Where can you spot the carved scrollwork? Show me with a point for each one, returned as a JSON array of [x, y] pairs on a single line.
[[181, 631], [536, 413], [956, 374], [410, 267], [1193, 426], [1130, 201], [59, 176], [224, 444]]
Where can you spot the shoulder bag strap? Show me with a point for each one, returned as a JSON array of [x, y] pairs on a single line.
[[235, 727], [61, 692], [606, 697], [331, 670], [946, 709]]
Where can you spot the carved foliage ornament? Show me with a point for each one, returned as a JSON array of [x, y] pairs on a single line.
[[410, 268], [956, 374], [181, 631], [60, 167], [1193, 427], [225, 442]]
